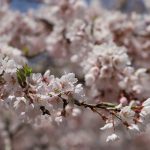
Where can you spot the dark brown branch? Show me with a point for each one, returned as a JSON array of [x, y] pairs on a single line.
[[65, 103], [105, 106]]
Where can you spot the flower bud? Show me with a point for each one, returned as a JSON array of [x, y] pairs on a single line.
[[89, 78]]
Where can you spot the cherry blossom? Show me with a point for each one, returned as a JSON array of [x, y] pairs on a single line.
[[95, 75]]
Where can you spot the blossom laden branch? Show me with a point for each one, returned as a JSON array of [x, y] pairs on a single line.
[[33, 95]]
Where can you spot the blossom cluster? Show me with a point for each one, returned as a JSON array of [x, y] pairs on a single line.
[[32, 95], [134, 117]]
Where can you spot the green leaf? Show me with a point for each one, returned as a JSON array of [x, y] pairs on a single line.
[[22, 74], [27, 70]]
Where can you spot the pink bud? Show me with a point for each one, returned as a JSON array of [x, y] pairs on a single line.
[[123, 100], [94, 70], [89, 78]]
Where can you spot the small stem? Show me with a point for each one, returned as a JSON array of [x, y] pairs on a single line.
[[102, 116], [113, 122], [65, 103], [44, 110], [124, 122]]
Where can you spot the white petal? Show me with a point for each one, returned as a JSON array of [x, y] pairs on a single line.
[[107, 126], [147, 102], [134, 127], [113, 137]]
